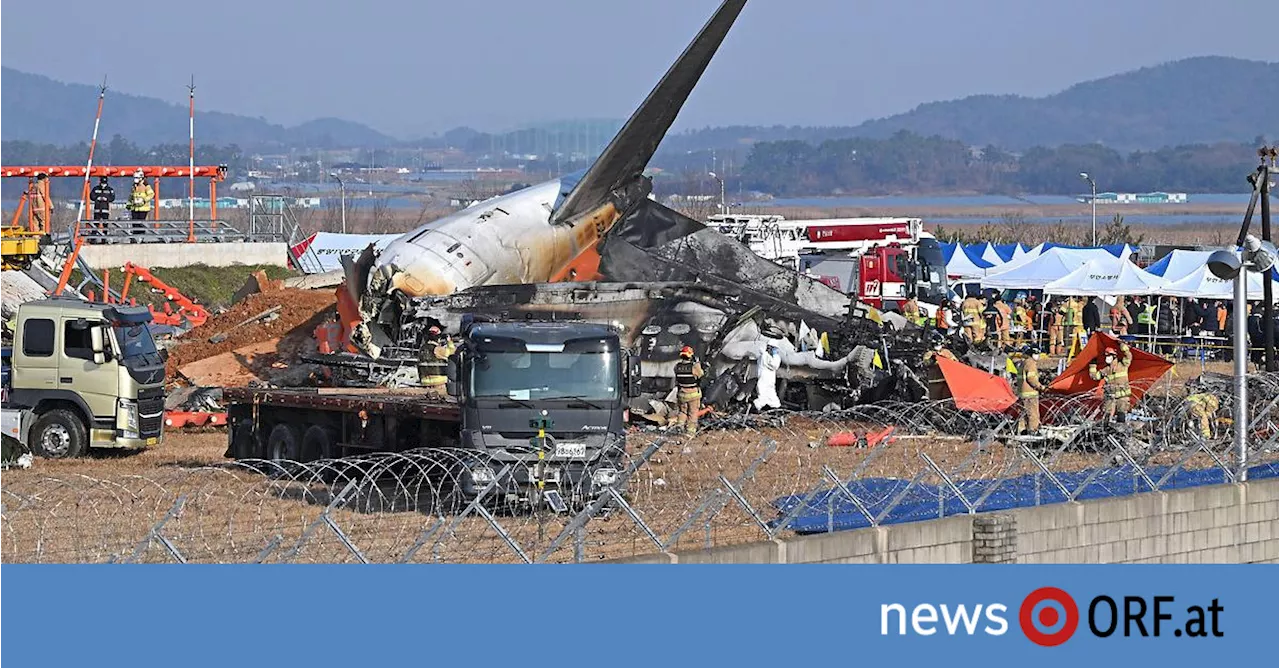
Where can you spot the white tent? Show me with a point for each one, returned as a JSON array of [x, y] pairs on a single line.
[[990, 255], [1202, 284], [962, 266], [1101, 278], [1179, 263], [1049, 266], [1018, 259]]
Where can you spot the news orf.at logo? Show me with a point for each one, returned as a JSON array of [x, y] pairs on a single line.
[[1049, 617]]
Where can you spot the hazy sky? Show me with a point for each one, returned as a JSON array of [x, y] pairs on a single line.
[[413, 67]]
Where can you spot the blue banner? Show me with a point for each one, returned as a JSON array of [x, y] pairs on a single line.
[[639, 615]]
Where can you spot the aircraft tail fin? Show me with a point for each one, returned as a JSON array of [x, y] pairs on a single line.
[[631, 149]]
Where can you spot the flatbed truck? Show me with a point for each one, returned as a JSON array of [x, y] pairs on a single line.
[[546, 401]]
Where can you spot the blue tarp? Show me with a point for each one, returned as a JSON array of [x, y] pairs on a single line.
[[830, 510]]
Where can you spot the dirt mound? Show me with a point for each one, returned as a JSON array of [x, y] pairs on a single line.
[[300, 312]]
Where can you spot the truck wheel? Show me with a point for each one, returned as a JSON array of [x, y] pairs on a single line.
[[59, 434], [283, 443], [317, 443]]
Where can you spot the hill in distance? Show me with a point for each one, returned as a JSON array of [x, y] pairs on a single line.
[[38, 109], [1192, 101]]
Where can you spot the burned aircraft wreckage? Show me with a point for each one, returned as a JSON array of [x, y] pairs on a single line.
[[596, 247]]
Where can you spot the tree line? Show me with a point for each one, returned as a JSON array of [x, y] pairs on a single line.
[[908, 162]]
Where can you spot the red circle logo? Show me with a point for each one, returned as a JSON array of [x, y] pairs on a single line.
[[1048, 616]]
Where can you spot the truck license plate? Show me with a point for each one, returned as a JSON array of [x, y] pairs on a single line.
[[153, 440], [571, 450]]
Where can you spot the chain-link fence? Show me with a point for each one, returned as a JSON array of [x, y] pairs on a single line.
[[741, 479]]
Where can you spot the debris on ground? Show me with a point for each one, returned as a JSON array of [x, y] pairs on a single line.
[[266, 316], [257, 344], [257, 283]]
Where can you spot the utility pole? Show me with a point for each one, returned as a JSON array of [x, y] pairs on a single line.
[[1268, 156], [1260, 180], [1093, 199], [342, 189], [719, 181]]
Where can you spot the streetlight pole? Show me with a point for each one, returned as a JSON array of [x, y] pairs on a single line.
[[1093, 199], [723, 208], [342, 190]]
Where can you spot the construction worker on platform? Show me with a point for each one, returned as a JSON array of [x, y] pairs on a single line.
[[1005, 320], [139, 204], [1120, 318], [1201, 408], [971, 314], [40, 202], [433, 362], [1029, 388], [1056, 320], [1115, 378], [688, 392]]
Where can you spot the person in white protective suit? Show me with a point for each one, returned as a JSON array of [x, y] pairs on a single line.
[[767, 378]]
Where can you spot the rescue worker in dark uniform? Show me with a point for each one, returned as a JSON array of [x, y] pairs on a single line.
[[688, 392], [103, 196], [433, 362], [1115, 378]]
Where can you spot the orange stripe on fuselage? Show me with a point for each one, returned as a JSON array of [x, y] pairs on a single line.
[[584, 267]]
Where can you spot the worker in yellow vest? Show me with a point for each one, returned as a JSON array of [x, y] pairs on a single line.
[[1202, 407], [1073, 322], [40, 202], [1115, 378], [139, 204], [433, 362], [1004, 322], [1056, 320], [911, 311], [1022, 320], [1029, 388], [971, 312]]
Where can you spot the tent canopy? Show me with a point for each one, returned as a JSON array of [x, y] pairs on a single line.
[[1006, 251], [1049, 266], [1202, 284], [1100, 278], [961, 264], [1179, 263]]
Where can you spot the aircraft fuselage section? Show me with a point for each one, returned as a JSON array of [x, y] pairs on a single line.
[[505, 240]]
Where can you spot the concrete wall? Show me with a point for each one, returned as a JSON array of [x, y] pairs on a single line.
[[112, 256], [1211, 524]]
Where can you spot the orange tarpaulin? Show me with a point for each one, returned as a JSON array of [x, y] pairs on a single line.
[[976, 390], [1145, 370]]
